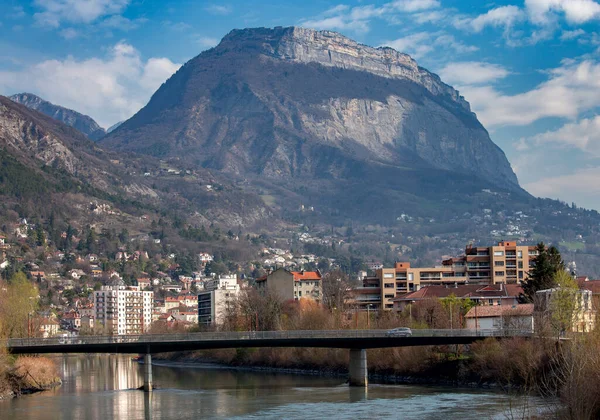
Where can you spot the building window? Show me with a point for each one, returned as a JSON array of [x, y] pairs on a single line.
[[388, 276], [389, 285], [520, 254], [491, 302], [499, 263], [410, 276], [498, 253], [499, 273]]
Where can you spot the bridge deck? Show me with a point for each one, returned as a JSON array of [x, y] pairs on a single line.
[[147, 343]]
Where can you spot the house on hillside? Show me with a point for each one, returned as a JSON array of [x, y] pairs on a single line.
[[48, 327], [501, 317], [292, 285]]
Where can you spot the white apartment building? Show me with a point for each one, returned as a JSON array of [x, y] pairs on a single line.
[[124, 309], [218, 295]]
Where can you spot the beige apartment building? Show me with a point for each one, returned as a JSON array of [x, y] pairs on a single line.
[[292, 285], [505, 263], [124, 309]]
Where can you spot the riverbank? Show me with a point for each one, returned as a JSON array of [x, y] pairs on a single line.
[[28, 375], [445, 374]]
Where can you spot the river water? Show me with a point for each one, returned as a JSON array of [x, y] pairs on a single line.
[[103, 387]]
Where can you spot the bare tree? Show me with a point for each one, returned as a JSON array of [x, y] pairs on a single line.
[[262, 311], [336, 290]]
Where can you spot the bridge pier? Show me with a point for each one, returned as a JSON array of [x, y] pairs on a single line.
[[147, 372], [357, 369]]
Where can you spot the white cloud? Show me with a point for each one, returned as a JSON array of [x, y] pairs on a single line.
[[219, 9], [75, 11], [416, 44], [337, 23], [122, 23], [69, 33], [582, 187], [177, 26], [415, 5], [420, 44], [109, 89], [207, 42], [472, 73], [429, 17], [568, 35], [570, 90], [584, 135], [336, 10], [504, 16], [543, 12], [357, 19]]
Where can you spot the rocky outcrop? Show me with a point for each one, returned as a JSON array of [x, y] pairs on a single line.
[[35, 140], [291, 104], [329, 48], [74, 119]]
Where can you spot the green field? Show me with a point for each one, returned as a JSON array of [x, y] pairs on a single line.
[[572, 246]]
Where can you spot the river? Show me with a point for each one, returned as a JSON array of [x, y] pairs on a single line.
[[103, 387]]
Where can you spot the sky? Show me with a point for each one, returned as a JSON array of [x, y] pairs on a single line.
[[529, 68]]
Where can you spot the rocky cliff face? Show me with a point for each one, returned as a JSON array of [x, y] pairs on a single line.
[[331, 49], [74, 119], [294, 105], [35, 140]]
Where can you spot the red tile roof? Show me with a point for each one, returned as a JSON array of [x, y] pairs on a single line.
[[306, 275], [500, 310]]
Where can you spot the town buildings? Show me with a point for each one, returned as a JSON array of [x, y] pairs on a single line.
[[505, 263], [501, 318], [218, 296], [482, 295], [123, 309], [292, 285], [566, 309]]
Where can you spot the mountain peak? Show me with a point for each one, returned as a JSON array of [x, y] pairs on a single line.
[[74, 119], [295, 106], [332, 49]]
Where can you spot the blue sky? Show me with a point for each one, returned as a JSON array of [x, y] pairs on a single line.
[[529, 68]]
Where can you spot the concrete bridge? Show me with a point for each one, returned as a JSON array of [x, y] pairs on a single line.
[[357, 341]]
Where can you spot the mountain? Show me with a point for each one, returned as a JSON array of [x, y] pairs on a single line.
[[60, 155], [317, 113], [74, 119], [114, 126], [42, 160]]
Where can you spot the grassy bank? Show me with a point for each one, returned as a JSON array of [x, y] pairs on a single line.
[[26, 375]]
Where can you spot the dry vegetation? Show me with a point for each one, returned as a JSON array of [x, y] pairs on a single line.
[[18, 299]]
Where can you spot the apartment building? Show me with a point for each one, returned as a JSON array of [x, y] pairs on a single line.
[[218, 296], [505, 263], [292, 285], [124, 309]]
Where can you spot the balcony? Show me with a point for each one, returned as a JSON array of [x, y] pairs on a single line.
[[430, 278], [368, 299]]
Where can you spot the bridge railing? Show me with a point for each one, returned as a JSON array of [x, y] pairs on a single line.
[[252, 335]]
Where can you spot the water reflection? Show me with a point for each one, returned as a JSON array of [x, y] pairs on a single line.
[[103, 387]]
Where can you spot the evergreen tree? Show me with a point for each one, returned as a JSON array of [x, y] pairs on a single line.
[[543, 275]]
